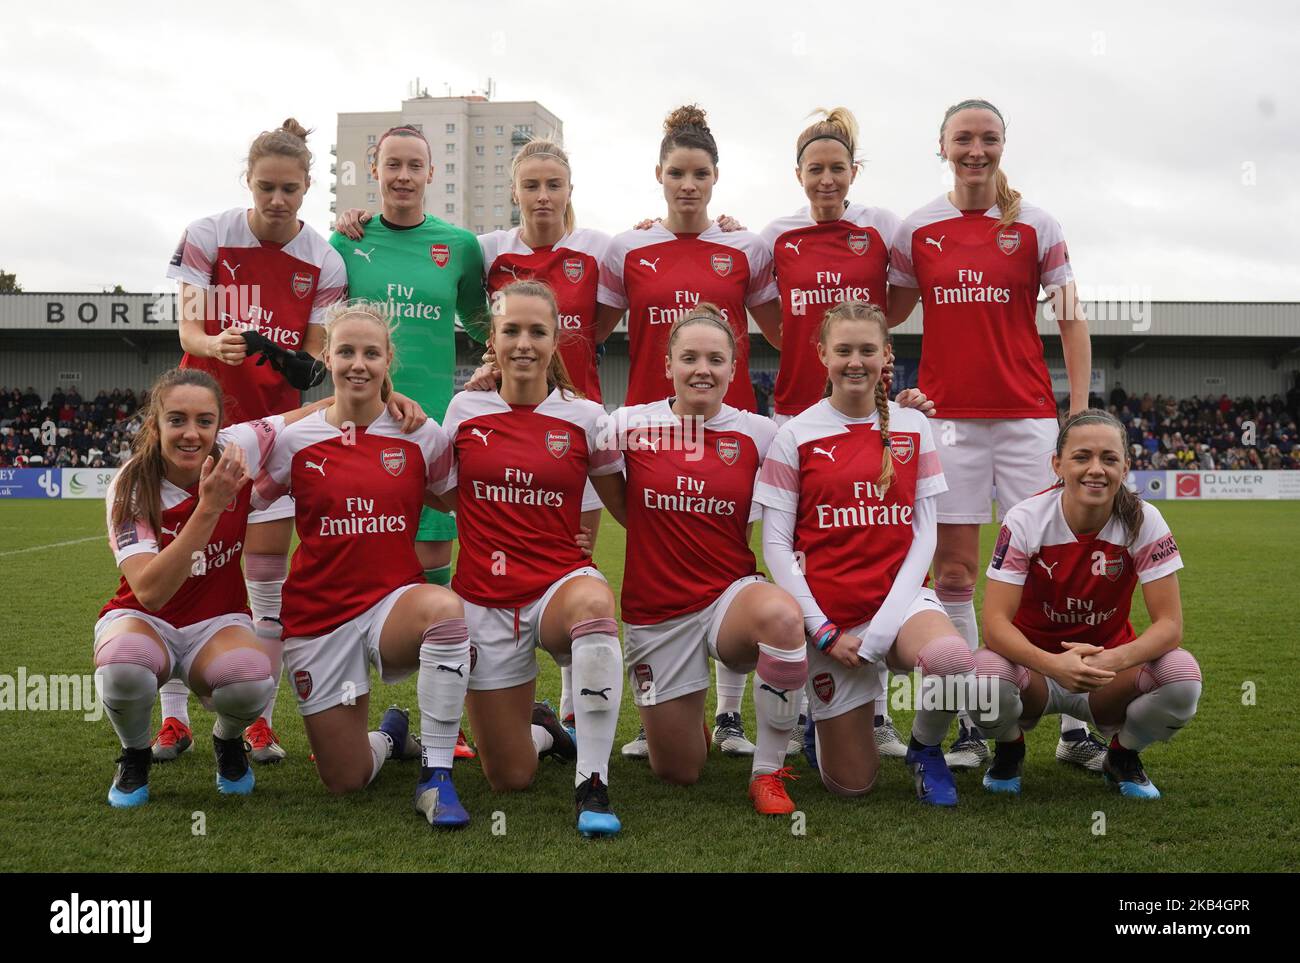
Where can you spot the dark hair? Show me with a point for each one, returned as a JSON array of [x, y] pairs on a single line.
[[139, 483], [686, 127], [1128, 506], [401, 130]]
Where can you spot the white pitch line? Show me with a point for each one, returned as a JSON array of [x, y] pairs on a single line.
[[39, 548]]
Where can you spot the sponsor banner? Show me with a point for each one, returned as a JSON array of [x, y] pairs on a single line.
[[30, 482], [87, 482], [1061, 382], [1228, 485], [1148, 484]]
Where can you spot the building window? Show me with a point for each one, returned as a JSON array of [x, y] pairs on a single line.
[[370, 178], [478, 130], [451, 188], [499, 169], [450, 169], [419, 127], [501, 149], [451, 128], [523, 128], [370, 138], [478, 229], [498, 210], [500, 227], [499, 130], [479, 169], [478, 188], [370, 197], [451, 148], [451, 208], [498, 190], [478, 210], [478, 150]]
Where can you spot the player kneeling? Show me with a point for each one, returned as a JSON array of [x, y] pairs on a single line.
[[1056, 614], [691, 588], [356, 594], [177, 523], [522, 458], [850, 486]]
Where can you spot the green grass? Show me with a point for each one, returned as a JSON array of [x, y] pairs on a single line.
[[1229, 779]]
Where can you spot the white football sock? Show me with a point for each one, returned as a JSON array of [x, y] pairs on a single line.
[[176, 700], [542, 740], [598, 693], [126, 691], [779, 678], [731, 689], [441, 692], [566, 691], [1069, 724], [381, 747], [1157, 715], [237, 705]]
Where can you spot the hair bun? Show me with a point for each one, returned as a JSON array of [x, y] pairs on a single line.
[[294, 129], [688, 115]]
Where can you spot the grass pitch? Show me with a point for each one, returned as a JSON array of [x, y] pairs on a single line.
[[1228, 780]]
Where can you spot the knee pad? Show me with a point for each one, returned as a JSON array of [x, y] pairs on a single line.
[[597, 668], [133, 648], [233, 666]]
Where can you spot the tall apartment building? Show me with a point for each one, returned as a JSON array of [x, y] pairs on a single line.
[[473, 141]]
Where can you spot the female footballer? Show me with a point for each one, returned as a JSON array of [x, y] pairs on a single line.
[[262, 270], [849, 485], [522, 457], [356, 594], [1056, 614], [976, 258], [691, 588]]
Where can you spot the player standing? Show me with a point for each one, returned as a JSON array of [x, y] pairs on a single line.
[[1056, 610], [177, 524], [830, 251], [850, 486], [976, 257], [659, 275], [691, 588], [522, 458], [356, 595], [262, 270]]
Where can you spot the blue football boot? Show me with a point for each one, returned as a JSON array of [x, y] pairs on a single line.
[[933, 778], [435, 797], [131, 781]]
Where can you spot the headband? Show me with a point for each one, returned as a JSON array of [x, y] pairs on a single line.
[[835, 137], [981, 104]]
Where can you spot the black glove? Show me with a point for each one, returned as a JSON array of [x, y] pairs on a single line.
[[297, 367]]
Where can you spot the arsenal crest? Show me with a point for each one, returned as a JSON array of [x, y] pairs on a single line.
[[858, 243], [721, 264], [824, 686], [1000, 549], [902, 447], [728, 450], [557, 442], [1114, 568], [301, 284], [440, 253], [1008, 242], [393, 460], [573, 269], [645, 677], [302, 683]]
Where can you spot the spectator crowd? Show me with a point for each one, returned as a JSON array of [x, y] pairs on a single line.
[[1208, 434], [66, 430]]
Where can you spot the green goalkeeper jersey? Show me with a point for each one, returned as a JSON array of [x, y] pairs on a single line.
[[426, 275]]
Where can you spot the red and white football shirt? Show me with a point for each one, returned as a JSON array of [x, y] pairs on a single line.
[[824, 467], [274, 289], [1078, 588], [660, 276], [571, 267], [357, 500], [981, 356], [690, 490], [216, 586], [519, 472], [817, 265]]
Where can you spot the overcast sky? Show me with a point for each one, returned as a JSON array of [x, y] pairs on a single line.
[[1164, 137]]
